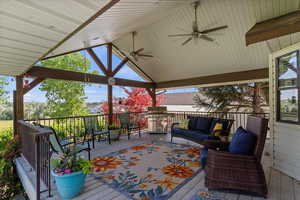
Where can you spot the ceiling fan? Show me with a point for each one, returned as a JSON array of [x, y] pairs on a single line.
[[196, 33], [135, 54]]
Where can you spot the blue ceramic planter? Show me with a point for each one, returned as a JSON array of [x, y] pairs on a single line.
[[69, 185]]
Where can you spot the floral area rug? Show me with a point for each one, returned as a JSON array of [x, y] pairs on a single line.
[[149, 171], [206, 195]]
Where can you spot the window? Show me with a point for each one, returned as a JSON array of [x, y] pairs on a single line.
[[288, 88]]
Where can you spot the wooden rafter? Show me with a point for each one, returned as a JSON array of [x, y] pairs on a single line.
[[273, 28], [109, 59], [59, 74], [120, 65], [97, 61], [218, 78], [32, 84]]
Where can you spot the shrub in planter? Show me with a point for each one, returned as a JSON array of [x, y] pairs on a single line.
[[10, 184], [114, 131], [70, 172]]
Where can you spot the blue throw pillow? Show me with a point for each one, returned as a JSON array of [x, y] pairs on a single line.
[[242, 142], [203, 123], [192, 122]]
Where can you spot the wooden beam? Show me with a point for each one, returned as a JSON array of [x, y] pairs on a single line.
[[273, 28], [59, 74], [80, 27], [219, 78], [109, 87], [74, 51], [32, 84], [18, 103], [97, 61], [120, 65], [109, 59]]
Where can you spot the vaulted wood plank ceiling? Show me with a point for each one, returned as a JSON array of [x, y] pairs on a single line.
[[28, 29]]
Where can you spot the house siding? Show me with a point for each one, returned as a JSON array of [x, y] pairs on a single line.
[[285, 137]]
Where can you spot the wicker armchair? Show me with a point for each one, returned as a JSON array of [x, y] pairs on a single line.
[[225, 170]]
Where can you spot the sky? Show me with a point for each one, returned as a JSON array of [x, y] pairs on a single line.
[[93, 92]]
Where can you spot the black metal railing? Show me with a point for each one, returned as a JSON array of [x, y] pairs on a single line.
[[240, 118], [35, 149], [74, 126]]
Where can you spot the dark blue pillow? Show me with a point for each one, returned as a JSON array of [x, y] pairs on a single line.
[[242, 142], [192, 122], [203, 123]]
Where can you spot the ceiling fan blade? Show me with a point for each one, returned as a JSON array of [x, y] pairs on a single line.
[[213, 29], [145, 55], [180, 35], [204, 37], [139, 50], [188, 40]]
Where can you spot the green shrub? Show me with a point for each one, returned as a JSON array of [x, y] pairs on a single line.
[[10, 184]]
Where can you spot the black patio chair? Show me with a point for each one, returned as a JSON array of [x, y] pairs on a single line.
[[93, 129], [128, 125], [61, 146]]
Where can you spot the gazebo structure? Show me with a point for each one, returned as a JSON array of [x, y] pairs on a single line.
[[255, 39]]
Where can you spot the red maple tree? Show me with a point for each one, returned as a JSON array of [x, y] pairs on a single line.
[[137, 101]]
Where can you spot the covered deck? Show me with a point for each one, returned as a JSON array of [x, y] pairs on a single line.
[[280, 185], [252, 36]]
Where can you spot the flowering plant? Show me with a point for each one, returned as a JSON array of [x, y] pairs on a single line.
[[70, 162]]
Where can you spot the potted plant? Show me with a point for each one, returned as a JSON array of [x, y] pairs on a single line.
[[69, 172], [114, 131]]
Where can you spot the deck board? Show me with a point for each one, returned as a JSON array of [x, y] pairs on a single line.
[[281, 187]]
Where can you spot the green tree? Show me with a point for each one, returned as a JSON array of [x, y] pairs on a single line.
[[65, 98], [251, 97], [3, 92]]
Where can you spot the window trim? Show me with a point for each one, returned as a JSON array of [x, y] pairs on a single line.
[[292, 87]]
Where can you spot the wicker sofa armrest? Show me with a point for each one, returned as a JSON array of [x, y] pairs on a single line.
[[174, 125], [227, 158], [216, 145]]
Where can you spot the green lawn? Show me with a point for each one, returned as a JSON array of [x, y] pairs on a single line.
[[4, 124]]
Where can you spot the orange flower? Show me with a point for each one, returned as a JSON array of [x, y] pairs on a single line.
[[105, 163], [143, 185], [195, 151], [138, 147], [145, 198], [194, 164], [166, 183], [178, 171], [123, 151], [134, 158], [109, 177], [131, 164]]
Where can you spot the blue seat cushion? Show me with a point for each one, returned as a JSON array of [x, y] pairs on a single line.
[[224, 122], [203, 123], [242, 142], [200, 135], [192, 122]]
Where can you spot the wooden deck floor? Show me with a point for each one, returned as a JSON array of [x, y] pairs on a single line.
[[281, 187]]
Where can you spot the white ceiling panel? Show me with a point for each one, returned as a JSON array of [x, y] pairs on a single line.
[[30, 28]]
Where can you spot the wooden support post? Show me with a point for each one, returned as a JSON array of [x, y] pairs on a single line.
[[18, 103], [154, 98], [109, 87]]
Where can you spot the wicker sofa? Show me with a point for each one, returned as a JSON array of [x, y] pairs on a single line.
[[200, 128], [225, 170]]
